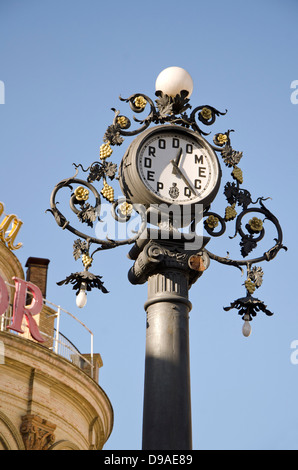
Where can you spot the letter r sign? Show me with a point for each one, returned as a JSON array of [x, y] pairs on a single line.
[[20, 309]]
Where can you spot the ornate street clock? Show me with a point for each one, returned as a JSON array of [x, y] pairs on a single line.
[[174, 173], [170, 165]]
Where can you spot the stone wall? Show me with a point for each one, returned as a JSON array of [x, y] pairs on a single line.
[[48, 403]]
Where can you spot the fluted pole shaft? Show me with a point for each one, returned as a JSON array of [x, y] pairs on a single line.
[[169, 270], [167, 401]]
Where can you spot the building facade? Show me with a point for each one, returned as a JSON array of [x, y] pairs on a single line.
[[48, 400]]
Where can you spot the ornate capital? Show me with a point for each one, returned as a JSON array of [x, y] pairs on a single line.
[[154, 256], [37, 433]]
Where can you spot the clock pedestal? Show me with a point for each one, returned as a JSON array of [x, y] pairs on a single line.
[[170, 270]]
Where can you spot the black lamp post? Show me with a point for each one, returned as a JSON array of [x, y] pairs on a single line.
[[168, 172]]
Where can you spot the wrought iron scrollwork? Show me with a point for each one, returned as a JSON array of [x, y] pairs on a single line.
[[88, 214], [167, 109], [250, 235]]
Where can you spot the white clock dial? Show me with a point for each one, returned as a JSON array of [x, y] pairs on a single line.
[[177, 168]]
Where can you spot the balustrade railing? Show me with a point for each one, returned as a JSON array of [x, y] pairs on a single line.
[[55, 339]]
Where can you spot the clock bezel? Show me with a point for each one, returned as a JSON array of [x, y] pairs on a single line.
[[132, 183]]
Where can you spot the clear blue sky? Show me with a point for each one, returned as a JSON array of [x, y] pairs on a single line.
[[64, 65]]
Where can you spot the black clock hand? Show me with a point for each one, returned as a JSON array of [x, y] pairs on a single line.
[[178, 157], [186, 180], [177, 161]]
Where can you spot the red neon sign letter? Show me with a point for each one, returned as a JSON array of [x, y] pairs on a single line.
[[20, 309], [4, 297]]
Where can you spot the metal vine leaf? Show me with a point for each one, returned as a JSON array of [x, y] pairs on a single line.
[[87, 214], [113, 135], [249, 307], [236, 195], [79, 247], [256, 276], [96, 172], [243, 198], [90, 280], [168, 105], [110, 170], [247, 245], [164, 104], [230, 156]]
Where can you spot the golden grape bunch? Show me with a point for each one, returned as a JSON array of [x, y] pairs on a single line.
[[250, 286], [107, 192], [230, 212], [105, 151], [237, 174], [86, 260]]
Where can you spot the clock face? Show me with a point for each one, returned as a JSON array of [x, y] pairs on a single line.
[[177, 167]]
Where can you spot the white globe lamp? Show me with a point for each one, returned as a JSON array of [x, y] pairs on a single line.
[[81, 298], [172, 80]]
